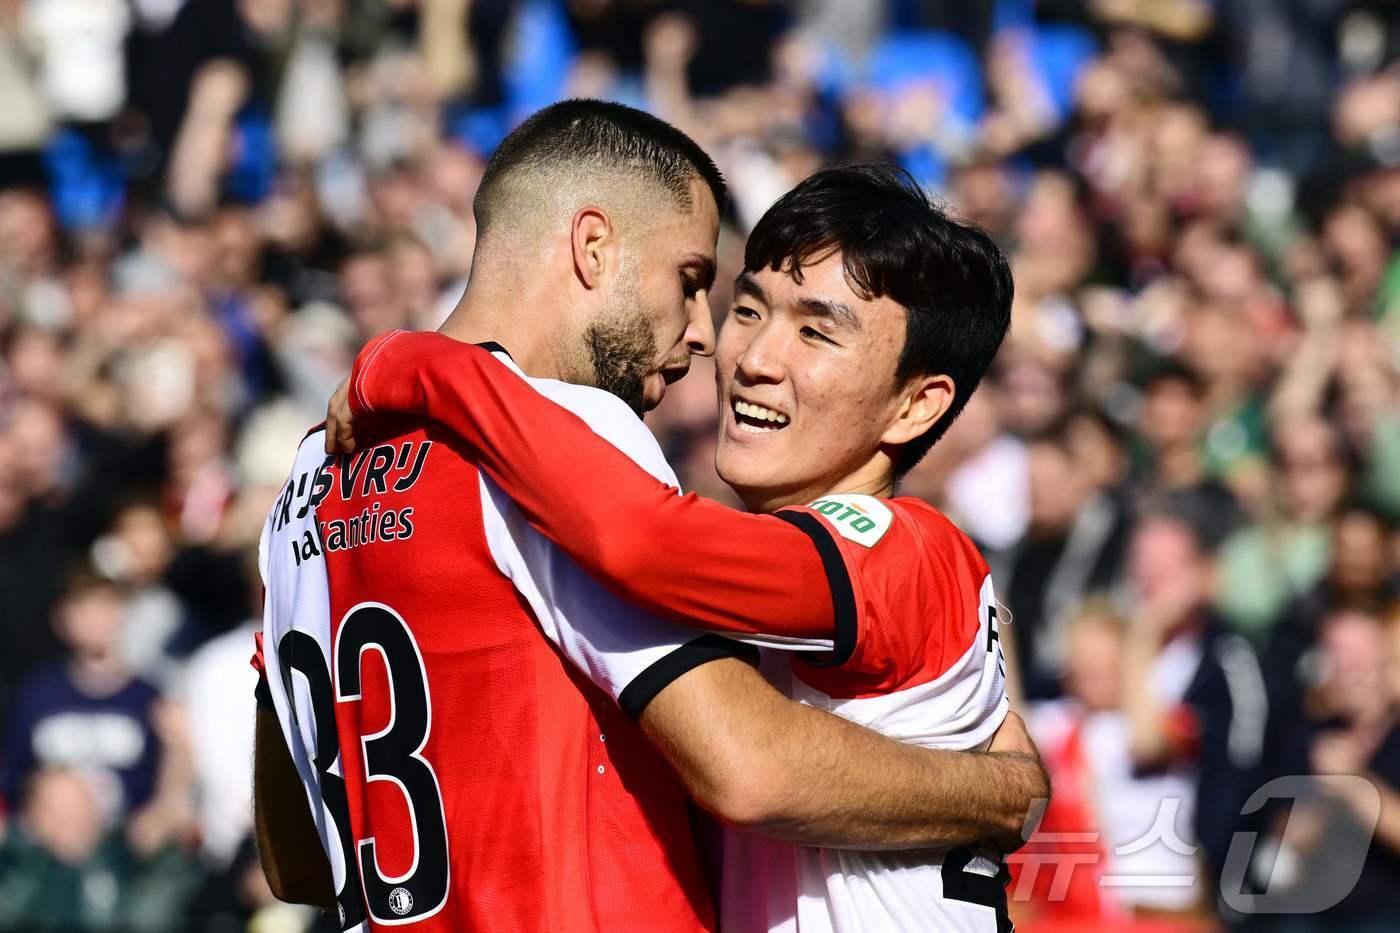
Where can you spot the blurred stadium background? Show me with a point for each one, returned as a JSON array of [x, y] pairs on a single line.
[[1185, 467]]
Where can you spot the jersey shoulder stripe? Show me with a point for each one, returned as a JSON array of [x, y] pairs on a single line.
[[907, 585], [663, 672], [843, 592]]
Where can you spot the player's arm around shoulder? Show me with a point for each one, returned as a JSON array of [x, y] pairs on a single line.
[[779, 768], [768, 765], [611, 419]]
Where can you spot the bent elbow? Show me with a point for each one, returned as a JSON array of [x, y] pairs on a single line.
[[279, 890], [751, 807], [282, 887], [306, 883], [743, 796]]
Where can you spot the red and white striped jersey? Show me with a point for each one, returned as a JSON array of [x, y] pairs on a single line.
[[464, 774], [918, 659], [899, 596]]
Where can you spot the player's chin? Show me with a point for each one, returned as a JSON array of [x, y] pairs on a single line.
[[747, 461]]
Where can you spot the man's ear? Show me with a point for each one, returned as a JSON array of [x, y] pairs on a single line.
[[593, 240], [923, 401]]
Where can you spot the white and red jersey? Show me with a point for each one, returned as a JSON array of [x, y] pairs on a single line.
[[465, 776], [922, 663], [900, 598]]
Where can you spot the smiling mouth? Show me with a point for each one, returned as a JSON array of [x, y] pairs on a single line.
[[756, 419]]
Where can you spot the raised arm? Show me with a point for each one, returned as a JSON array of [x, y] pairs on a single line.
[[768, 765], [682, 557]]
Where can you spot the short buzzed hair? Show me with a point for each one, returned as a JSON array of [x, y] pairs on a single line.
[[592, 139]]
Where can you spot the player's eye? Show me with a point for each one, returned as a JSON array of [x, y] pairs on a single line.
[[748, 314], [690, 286], [811, 333]]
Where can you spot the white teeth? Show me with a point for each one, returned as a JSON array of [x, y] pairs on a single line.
[[758, 412]]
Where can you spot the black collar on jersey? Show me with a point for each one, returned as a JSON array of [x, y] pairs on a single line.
[[492, 346]]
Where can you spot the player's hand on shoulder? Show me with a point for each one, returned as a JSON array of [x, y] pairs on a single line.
[[340, 427]]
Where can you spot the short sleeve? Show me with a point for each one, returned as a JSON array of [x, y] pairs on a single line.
[[630, 654], [916, 610]]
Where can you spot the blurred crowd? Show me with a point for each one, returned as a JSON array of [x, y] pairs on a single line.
[[1184, 467]]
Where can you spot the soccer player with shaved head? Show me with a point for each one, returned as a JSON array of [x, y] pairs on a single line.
[[489, 738]]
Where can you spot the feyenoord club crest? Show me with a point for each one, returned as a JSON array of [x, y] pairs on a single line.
[[400, 901]]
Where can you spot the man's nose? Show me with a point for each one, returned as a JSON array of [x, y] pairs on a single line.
[[700, 326], [761, 360]]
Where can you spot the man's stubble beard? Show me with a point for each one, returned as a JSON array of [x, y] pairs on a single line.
[[621, 348]]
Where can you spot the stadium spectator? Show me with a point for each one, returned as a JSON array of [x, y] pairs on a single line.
[[1138, 817], [1351, 743], [221, 734], [1171, 424], [29, 578], [88, 712], [1287, 551], [64, 868], [136, 552], [1073, 547], [216, 691], [1179, 662]]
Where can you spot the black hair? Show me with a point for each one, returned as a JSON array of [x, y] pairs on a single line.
[[952, 279], [598, 136], [1101, 419], [1174, 371], [1363, 507], [81, 579]]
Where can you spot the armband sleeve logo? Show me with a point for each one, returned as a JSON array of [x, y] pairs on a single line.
[[862, 519]]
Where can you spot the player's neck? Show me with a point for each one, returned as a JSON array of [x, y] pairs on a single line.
[[873, 479], [484, 318]]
